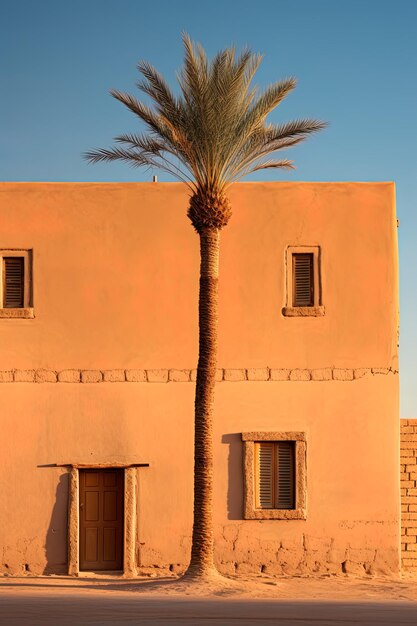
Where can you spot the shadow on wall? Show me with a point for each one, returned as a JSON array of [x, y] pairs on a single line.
[[56, 537], [235, 476]]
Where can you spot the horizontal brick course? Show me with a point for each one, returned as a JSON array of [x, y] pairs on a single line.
[[408, 445], [407, 429], [301, 375], [6, 376], [279, 374], [157, 376], [180, 375], [136, 376], [361, 372], [321, 374], [408, 500], [114, 376], [24, 376], [45, 376], [258, 374], [342, 374], [219, 375], [69, 376], [409, 516], [91, 376], [234, 375]]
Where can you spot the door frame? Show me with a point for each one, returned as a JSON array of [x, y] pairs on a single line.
[[130, 518]]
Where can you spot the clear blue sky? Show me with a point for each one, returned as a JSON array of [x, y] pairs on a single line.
[[355, 61]]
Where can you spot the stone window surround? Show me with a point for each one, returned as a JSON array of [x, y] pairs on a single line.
[[130, 521], [317, 310], [249, 509], [27, 310]]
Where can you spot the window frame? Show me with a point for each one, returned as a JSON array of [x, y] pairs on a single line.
[[27, 310], [316, 309], [250, 510]]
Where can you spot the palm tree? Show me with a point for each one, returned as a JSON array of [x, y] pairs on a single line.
[[209, 136]]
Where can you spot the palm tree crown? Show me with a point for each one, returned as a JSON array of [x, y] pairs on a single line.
[[211, 135]]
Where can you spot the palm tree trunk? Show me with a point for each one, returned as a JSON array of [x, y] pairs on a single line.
[[202, 551]]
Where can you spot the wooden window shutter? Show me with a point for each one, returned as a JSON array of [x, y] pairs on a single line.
[[275, 475], [284, 467], [13, 282], [265, 475], [302, 279]]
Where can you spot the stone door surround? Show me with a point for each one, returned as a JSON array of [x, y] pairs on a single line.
[[130, 521]]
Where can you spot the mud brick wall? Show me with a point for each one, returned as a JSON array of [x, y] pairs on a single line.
[[409, 494]]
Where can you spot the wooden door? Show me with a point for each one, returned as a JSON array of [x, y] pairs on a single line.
[[101, 519]]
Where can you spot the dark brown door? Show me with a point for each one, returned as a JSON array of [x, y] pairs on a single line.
[[101, 519]]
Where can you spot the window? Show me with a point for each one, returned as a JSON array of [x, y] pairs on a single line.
[[303, 282], [274, 473], [15, 283], [302, 279]]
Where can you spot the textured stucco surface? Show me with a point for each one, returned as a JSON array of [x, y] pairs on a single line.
[[97, 376], [131, 260], [352, 482]]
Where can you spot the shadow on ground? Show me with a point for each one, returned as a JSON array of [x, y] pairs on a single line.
[[79, 584]]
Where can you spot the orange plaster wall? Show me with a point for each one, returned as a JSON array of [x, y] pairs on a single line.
[[116, 276], [352, 471], [115, 286]]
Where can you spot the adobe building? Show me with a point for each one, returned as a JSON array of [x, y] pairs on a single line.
[[99, 338]]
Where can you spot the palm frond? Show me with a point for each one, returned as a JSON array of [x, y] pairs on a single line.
[[156, 87], [142, 142], [116, 154], [215, 131], [283, 163], [267, 102]]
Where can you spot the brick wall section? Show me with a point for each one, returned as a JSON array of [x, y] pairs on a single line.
[[408, 484]]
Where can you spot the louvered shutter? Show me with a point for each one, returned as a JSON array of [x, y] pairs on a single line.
[[303, 282], [275, 474], [284, 480], [13, 282], [265, 475]]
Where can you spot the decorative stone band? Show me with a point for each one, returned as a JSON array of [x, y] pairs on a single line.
[[186, 375]]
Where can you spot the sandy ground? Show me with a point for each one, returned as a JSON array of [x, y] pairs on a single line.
[[326, 601]]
